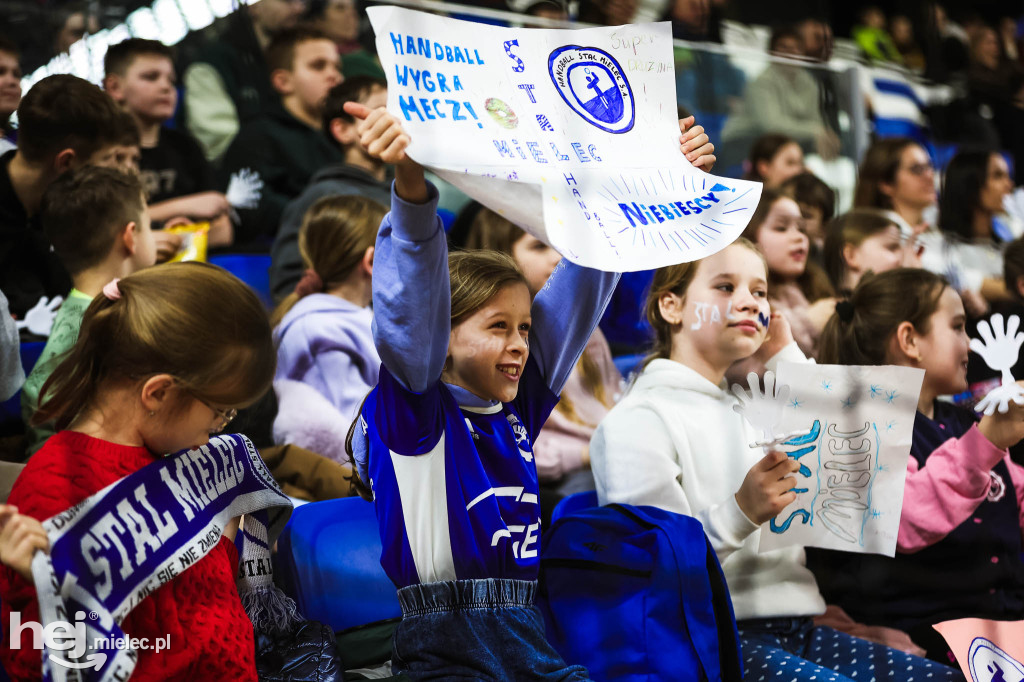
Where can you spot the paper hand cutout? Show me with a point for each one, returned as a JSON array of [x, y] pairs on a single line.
[[762, 410], [245, 189], [39, 320], [1000, 350]]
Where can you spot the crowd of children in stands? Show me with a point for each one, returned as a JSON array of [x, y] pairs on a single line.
[[422, 369]]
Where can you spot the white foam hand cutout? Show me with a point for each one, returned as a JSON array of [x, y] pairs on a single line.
[[761, 409], [245, 189], [999, 347], [39, 320]]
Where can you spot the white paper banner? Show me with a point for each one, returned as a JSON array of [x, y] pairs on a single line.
[[571, 134], [853, 463]]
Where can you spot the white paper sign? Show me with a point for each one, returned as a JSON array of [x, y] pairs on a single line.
[[571, 134], [853, 462]]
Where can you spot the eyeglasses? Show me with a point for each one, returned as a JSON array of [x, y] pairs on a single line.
[[920, 169], [225, 416]]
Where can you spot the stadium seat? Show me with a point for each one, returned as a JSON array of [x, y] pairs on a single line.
[[627, 364], [251, 268], [574, 503], [10, 410], [329, 562]]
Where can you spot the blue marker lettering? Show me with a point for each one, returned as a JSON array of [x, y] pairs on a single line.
[[396, 42], [528, 89], [578, 148], [630, 213], [682, 208], [593, 152], [423, 47], [408, 106], [558, 156], [654, 210], [503, 149], [535, 150], [425, 103], [437, 109], [667, 211], [569, 179]]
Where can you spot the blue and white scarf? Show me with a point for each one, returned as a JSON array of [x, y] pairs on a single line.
[[110, 551]]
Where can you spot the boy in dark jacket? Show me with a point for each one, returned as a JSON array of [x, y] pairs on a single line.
[[286, 148], [359, 174]]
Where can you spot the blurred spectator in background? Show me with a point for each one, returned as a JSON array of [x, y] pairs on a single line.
[[774, 159], [229, 84], [994, 86], [897, 174], [902, 31], [784, 99], [180, 184], [873, 38], [948, 55], [338, 20], [357, 174], [73, 22], [10, 91], [1009, 39], [694, 20], [817, 39], [286, 145], [975, 184], [817, 202]]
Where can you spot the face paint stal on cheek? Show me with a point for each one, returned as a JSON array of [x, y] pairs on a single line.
[[706, 312], [764, 315]]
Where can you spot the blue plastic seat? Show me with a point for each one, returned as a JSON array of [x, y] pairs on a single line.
[[10, 410], [251, 268], [574, 503], [329, 562]]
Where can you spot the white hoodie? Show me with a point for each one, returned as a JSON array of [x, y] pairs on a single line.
[[675, 442]]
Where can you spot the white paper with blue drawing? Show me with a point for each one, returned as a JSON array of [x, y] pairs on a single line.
[[859, 423], [571, 134]]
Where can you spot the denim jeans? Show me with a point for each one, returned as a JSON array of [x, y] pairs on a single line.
[[485, 629]]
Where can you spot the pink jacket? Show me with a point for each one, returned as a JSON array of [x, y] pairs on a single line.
[[561, 443], [948, 490]]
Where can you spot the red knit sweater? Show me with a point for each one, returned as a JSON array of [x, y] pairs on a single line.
[[211, 636]]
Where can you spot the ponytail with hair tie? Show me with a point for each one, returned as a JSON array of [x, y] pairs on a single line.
[[311, 283], [844, 309]]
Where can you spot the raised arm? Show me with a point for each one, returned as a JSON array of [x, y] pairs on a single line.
[[565, 313], [411, 291]]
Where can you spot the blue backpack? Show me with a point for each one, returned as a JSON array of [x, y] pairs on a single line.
[[636, 593]]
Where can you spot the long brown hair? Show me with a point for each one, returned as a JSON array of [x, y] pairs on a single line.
[[879, 167], [877, 307], [813, 282], [335, 234], [194, 321], [676, 279]]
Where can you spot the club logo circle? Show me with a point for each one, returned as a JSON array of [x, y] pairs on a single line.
[[593, 85]]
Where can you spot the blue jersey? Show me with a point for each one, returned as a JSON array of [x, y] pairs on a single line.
[[453, 476], [456, 488]]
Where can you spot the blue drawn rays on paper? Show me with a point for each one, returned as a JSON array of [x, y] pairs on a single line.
[[849, 402], [826, 386], [794, 403], [640, 192], [890, 396], [876, 514], [890, 426], [875, 391]]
